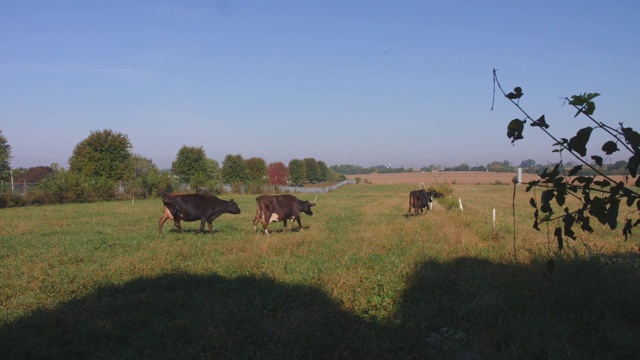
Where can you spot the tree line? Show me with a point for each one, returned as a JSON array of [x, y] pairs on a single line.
[[528, 166], [102, 167]]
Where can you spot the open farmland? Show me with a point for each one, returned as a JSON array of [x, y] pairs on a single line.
[[361, 280], [448, 177]]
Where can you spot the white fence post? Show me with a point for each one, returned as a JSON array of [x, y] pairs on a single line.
[[494, 217]]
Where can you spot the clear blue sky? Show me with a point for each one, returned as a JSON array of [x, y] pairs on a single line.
[[346, 82]]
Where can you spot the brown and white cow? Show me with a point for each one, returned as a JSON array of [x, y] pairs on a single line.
[[193, 207], [420, 199], [275, 208]]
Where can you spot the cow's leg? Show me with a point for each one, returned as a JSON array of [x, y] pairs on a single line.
[[210, 223], [166, 215], [161, 222], [202, 222], [297, 218], [265, 224], [176, 222], [256, 220]]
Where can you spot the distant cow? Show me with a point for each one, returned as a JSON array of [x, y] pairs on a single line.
[[420, 199], [275, 208], [192, 207]]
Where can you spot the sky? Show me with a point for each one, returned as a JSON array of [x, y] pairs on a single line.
[[359, 82]]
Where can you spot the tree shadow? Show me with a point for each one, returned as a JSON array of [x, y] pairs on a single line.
[[190, 316], [466, 308]]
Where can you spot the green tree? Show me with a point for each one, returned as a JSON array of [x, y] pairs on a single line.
[[103, 154], [297, 171], [142, 166], [497, 166], [145, 180], [323, 171], [5, 157], [311, 168], [599, 196], [213, 170], [190, 163], [234, 170], [257, 170], [529, 163]]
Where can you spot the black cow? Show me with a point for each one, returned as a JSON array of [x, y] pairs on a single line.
[[192, 207], [420, 199], [274, 208]]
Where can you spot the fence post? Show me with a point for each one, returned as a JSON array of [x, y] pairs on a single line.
[[494, 217]]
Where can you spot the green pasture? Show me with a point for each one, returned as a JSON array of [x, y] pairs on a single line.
[[360, 280]]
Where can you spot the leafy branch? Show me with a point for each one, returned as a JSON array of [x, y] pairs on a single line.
[[598, 195]]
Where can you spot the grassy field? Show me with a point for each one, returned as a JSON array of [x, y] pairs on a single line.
[[361, 280]]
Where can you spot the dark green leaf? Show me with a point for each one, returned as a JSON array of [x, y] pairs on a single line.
[[612, 213], [616, 189], [584, 224], [579, 142], [515, 129], [568, 221], [602, 183], [584, 103], [516, 94], [585, 180], [598, 209], [610, 147], [532, 201], [626, 231], [575, 170], [541, 122], [546, 198], [597, 159], [589, 108], [558, 234], [632, 137], [577, 100], [532, 184], [632, 166]]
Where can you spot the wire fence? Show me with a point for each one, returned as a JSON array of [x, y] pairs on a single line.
[[23, 187], [295, 189], [19, 187]]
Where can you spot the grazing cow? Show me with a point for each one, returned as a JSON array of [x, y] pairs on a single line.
[[274, 208], [420, 199], [436, 195], [192, 207]]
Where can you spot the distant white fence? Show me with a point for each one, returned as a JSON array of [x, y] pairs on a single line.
[[314, 190], [299, 189]]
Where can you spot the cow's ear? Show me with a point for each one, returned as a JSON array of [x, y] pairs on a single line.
[[312, 204]]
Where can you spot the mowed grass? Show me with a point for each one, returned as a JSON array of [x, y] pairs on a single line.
[[361, 280]]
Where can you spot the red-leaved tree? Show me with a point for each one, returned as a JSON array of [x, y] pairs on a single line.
[[278, 173]]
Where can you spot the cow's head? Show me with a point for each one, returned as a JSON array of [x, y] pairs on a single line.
[[306, 207], [232, 207]]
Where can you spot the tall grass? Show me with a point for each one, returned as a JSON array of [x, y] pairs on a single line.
[[361, 279]]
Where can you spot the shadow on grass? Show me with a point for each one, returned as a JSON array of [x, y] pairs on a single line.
[[467, 308]]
